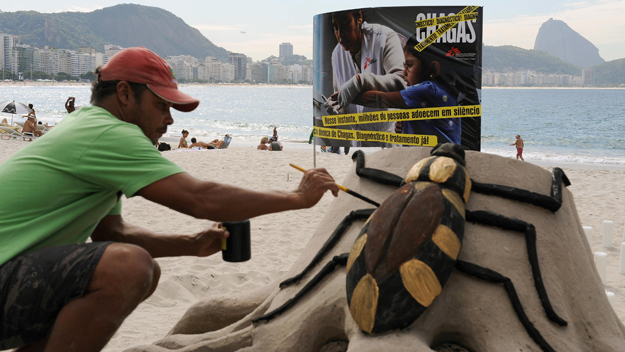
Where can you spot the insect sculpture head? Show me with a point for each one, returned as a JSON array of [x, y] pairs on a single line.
[[406, 251]]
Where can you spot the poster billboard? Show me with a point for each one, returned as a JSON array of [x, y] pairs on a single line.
[[398, 76]]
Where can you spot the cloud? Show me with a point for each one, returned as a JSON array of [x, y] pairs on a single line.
[[307, 28], [263, 46], [601, 23], [577, 4]]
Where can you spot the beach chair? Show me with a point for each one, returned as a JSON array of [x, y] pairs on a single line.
[[41, 128], [9, 132], [226, 142], [12, 132]]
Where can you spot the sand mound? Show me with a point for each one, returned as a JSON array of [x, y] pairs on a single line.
[[469, 314]]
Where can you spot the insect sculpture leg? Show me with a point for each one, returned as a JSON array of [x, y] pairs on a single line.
[[496, 278], [362, 214], [379, 176], [506, 223], [552, 202], [337, 260]]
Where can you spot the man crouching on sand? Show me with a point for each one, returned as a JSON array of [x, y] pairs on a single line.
[[58, 293]]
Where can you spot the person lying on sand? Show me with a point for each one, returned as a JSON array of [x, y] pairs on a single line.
[[215, 144], [60, 293]]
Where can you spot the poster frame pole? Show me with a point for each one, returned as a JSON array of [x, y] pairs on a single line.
[[314, 153]]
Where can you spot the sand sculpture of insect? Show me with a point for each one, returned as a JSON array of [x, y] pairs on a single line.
[[409, 246]]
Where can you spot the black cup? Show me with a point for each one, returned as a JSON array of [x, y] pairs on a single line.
[[237, 247]]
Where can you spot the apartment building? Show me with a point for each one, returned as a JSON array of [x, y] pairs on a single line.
[[9, 55], [82, 63], [183, 66], [16, 57], [47, 61], [239, 61], [286, 50]]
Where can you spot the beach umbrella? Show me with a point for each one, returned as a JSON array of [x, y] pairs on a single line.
[[12, 107]]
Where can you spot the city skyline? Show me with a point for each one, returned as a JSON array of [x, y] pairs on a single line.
[[256, 29]]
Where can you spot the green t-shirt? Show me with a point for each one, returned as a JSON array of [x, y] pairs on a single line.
[[57, 189]]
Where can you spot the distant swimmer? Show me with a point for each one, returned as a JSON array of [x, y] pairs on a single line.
[[519, 147], [69, 105]]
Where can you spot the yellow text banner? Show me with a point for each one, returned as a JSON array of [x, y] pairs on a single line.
[[446, 112], [375, 136], [448, 24], [430, 22]]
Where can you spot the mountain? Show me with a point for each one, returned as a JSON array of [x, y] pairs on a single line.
[[126, 25], [611, 73], [509, 58], [558, 39]]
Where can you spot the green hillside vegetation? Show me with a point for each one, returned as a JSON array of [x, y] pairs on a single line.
[[509, 58], [126, 25], [610, 74]]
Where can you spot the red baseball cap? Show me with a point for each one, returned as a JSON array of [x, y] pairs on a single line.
[[140, 65]]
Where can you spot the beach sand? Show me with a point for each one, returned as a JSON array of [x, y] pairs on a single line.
[[278, 239]]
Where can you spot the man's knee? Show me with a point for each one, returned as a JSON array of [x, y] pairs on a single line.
[[126, 267]]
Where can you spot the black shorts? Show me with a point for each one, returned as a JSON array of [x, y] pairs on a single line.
[[35, 287]]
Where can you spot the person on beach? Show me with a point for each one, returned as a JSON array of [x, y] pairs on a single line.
[[275, 145], [183, 139], [47, 127], [69, 105], [214, 144], [31, 127], [263, 144], [368, 56], [31, 113], [62, 294], [519, 147]]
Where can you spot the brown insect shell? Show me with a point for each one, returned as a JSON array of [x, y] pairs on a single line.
[[401, 225], [421, 222]]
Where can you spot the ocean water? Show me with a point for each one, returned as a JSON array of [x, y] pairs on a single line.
[[557, 125], [560, 125]]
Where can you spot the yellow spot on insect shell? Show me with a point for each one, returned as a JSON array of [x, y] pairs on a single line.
[[421, 185], [467, 186], [455, 200], [364, 303], [356, 250], [447, 241], [414, 172], [420, 281], [442, 169]]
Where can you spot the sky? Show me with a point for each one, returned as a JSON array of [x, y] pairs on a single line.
[[268, 23]]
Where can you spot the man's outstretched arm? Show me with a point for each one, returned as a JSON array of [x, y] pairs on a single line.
[[211, 201], [221, 202]]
